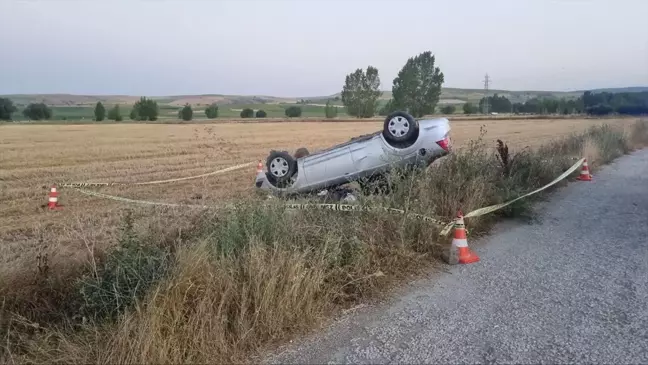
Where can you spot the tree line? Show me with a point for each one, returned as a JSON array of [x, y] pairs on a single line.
[[143, 110], [416, 89], [602, 103]]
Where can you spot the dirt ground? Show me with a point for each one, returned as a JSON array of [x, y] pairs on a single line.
[[32, 158]]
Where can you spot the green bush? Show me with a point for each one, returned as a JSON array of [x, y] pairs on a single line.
[[38, 111], [99, 112], [293, 111], [261, 113], [330, 111], [186, 113], [469, 108], [115, 114], [7, 108], [448, 109], [145, 109], [212, 111], [388, 108], [247, 113], [125, 277]]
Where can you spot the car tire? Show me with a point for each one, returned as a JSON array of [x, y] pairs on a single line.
[[281, 167], [400, 127], [301, 152]]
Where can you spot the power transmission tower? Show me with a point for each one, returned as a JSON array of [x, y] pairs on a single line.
[[486, 100]]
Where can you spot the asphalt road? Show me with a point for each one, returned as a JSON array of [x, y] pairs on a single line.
[[571, 287]]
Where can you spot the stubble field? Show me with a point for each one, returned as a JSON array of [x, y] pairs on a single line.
[[32, 158]]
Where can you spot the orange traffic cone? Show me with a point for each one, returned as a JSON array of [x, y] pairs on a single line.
[[52, 202], [466, 255], [585, 174]]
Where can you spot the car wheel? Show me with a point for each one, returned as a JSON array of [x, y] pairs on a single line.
[[400, 127], [281, 167]]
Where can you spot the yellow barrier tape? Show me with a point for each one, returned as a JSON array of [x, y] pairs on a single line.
[[338, 207], [228, 169], [134, 201], [492, 208], [350, 207]]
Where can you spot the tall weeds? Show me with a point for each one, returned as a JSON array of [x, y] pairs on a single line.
[[247, 278]]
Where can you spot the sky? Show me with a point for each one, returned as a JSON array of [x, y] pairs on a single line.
[[307, 47]]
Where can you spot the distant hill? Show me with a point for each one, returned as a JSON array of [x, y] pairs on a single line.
[[634, 89], [448, 96], [71, 100]]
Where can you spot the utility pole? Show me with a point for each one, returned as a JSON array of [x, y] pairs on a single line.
[[486, 101]]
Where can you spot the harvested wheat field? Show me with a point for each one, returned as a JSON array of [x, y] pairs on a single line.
[[34, 157]]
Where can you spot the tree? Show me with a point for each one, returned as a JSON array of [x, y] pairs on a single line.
[[186, 113], [469, 108], [602, 103], [37, 111], [293, 111], [99, 112], [388, 108], [212, 111], [133, 114], [497, 104], [417, 87], [448, 109], [330, 111], [7, 108], [361, 92], [115, 114], [247, 113], [261, 113], [145, 109]]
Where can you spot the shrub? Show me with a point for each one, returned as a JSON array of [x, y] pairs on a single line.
[[469, 108], [186, 113], [7, 108], [247, 113], [330, 111], [448, 109], [212, 111], [145, 109], [127, 274], [388, 108], [115, 114], [37, 111], [293, 111], [261, 113], [99, 112]]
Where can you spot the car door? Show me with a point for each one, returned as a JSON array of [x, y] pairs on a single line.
[[329, 167], [368, 156]]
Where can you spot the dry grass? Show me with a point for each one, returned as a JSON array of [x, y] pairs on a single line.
[[232, 282], [32, 157], [591, 153]]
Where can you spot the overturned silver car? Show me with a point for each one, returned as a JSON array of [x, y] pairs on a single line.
[[403, 142]]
